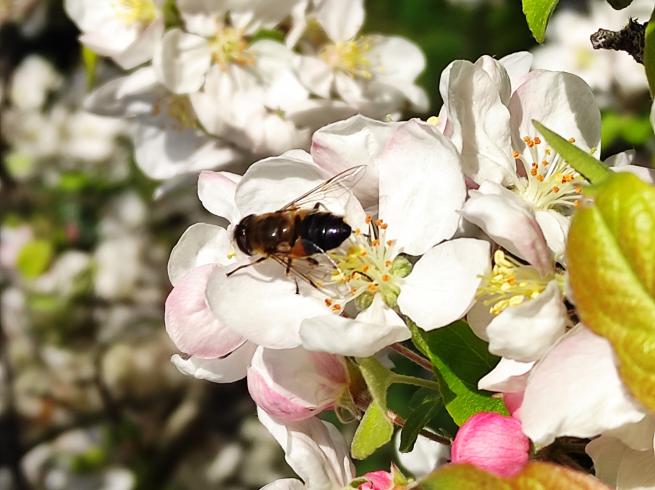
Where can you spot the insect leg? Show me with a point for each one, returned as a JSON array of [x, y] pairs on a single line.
[[261, 259]]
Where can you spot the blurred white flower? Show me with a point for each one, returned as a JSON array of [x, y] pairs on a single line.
[[568, 48], [125, 30], [375, 74], [118, 264], [32, 81]]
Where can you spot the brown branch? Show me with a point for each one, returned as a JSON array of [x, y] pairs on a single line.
[[412, 356], [630, 39]]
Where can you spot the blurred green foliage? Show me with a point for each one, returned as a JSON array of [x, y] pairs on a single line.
[[447, 32]]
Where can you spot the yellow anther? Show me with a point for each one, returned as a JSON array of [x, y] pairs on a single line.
[[386, 278], [388, 263], [516, 155], [555, 188], [433, 121], [335, 307], [328, 302], [357, 231], [372, 287], [375, 242], [390, 242], [369, 219], [540, 178], [571, 140], [537, 140]]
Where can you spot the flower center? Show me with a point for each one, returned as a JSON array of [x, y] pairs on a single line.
[[229, 46], [350, 57], [549, 182], [369, 265], [511, 283], [135, 11], [179, 108]]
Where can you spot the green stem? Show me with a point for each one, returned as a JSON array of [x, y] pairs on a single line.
[[411, 380]]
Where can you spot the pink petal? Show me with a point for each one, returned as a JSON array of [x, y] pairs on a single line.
[[190, 323], [492, 442]]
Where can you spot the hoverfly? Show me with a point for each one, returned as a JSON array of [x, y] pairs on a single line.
[[294, 233]]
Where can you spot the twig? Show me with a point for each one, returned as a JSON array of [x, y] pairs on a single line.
[[412, 356], [629, 39]]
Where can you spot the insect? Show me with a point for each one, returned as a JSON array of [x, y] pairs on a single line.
[[293, 233]]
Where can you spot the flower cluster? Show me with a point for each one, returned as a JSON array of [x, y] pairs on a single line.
[[218, 85], [464, 216]]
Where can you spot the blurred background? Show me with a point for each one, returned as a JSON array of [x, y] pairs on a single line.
[[88, 396]]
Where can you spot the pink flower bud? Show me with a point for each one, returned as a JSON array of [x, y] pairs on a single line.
[[492, 442], [377, 480], [295, 384]]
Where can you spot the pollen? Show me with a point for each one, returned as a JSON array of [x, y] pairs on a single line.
[[350, 57], [228, 46], [371, 267], [335, 307], [328, 302], [369, 219], [516, 155], [510, 283], [135, 11], [231, 254]]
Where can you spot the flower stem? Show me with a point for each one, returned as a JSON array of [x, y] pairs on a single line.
[[400, 422], [412, 356], [412, 380]]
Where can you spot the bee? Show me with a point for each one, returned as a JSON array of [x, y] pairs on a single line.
[[293, 233]]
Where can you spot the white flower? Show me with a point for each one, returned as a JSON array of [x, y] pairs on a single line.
[[125, 30], [575, 390], [315, 450], [421, 190], [375, 74], [489, 114], [31, 83], [167, 138], [426, 456], [567, 47]]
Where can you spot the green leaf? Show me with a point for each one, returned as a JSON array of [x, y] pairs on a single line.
[[535, 475], [373, 432], [34, 258], [424, 405], [459, 359], [377, 377], [537, 13], [611, 264], [591, 169], [619, 4], [90, 60], [634, 129], [649, 52]]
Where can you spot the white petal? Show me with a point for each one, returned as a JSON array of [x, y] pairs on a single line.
[[341, 19], [480, 122], [355, 141], [285, 484], [128, 96], [498, 75], [517, 66], [479, 317], [164, 150], [261, 304], [637, 436], [426, 456], [509, 376], [644, 173], [143, 48], [421, 187], [200, 244], [607, 454], [202, 17], [555, 227], [576, 391], [190, 324], [315, 74], [216, 191], [441, 287], [273, 182], [228, 369], [508, 220], [374, 329], [315, 450], [563, 103], [636, 471], [181, 61], [526, 331]]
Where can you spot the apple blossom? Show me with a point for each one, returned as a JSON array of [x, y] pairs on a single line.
[[492, 442], [372, 268], [489, 116], [125, 30], [375, 74], [294, 384]]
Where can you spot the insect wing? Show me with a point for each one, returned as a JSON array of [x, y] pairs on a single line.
[[331, 189]]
